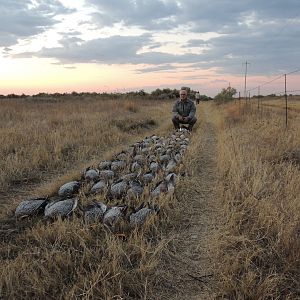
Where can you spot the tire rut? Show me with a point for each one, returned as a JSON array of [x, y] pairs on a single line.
[[190, 263]]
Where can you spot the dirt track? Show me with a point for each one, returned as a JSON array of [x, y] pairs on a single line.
[[190, 266]]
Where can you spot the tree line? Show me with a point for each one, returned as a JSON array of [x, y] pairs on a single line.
[[159, 94]]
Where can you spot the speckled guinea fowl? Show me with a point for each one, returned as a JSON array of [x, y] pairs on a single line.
[[171, 165], [148, 177], [118, 165], [30, 207], [91, 174], [130, 176], [135, 190], [154, 166], [136, 167], [94, 213], [118, 189], [106, 175], [114, 214], [165, 186], [69, 189], [99, 187], [104, 165], [140, 216], [122, 156], [61, 208]]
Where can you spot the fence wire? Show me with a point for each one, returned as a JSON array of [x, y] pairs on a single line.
[[282, 93]]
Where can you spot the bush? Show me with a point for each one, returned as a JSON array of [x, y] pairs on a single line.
[[225, 95]]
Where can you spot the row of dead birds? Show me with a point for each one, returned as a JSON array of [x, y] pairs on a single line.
[[123, 177]]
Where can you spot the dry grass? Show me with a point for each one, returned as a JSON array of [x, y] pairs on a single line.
[[259, 249], [67, 259], [258, 246], [279, 103], [39, 139]]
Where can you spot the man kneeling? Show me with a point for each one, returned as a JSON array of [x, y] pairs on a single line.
[[184, 111]]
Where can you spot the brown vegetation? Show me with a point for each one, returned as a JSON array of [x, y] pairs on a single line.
[[258, 172], [259, 250], [40, 139], [68, 259]]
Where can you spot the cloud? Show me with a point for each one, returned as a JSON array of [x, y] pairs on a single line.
[[22, 19], [193, 77], [111, 50], [150, 15], [160, 68], [266, 33]]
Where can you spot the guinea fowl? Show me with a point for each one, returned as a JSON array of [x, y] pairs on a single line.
[[94, 213], [160, 188], [140, 216], [106, 174], [114, 214], [129, 176], [118, 165], [140, 159], [154, 166], [171, 165], [177, 157], [91, 175], [165, 186], [122, 156], [69, 188], [104, 165], [62, 208], [135, 190], [164, 158], [148, 177], [118, 189], [30, 207], [151, 158], [135, 167], [99, 187]]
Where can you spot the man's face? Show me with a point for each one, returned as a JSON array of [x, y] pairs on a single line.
[[183, 95]]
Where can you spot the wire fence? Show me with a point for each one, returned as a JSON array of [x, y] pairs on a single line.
[[260, 100]]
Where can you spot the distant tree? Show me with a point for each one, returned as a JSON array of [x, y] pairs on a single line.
[[142, 93], [10, 96], [205, 98], [175, 93], [156, 92], [225, 95]]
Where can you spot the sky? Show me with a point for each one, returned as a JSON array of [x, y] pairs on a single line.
[[125, 45]]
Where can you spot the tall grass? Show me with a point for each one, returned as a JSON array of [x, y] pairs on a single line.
[[67, 259], [41, 138], [259, 249]]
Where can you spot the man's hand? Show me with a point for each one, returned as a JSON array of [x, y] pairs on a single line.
[[185, 119], [179, 117]]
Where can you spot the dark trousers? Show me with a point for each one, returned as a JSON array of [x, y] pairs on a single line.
[[191, 122]]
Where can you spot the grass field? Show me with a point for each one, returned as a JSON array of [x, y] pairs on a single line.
[[259, 165], [279, 102], [47, 142], [41, 139]]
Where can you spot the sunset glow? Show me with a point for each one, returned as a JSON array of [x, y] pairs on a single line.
[[97, 46]]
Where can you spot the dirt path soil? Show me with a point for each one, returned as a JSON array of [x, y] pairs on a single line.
[[190, 268]]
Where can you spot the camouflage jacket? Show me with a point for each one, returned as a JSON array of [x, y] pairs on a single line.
[[184, 109]]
